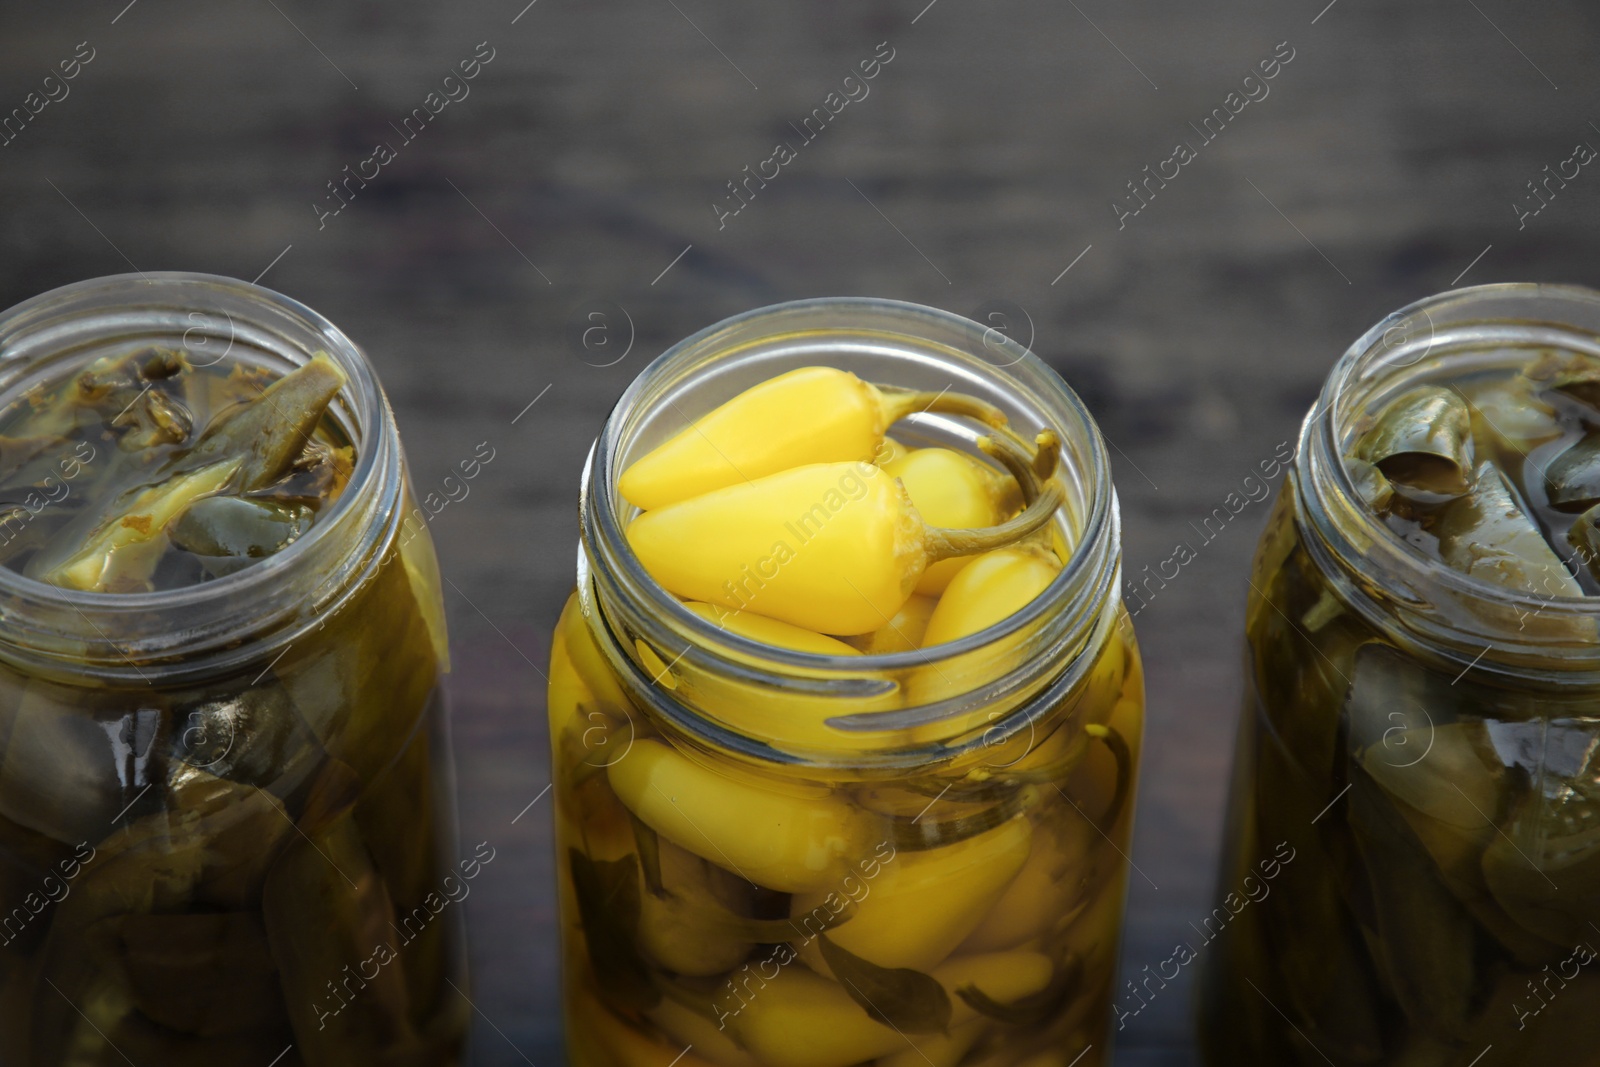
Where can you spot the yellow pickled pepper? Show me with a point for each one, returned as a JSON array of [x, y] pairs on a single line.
[[908, 629], [940, 1050], [590, 718], [785, 840], [771, 631], [990, 588], [1091, 935], [889, 451], [1101, 783], [569, 697], [800, 1019], [1047, 892], [954, 490], [923, 904], [785, 719], [693, 1029], [1101, 699], [833, 547], [588, 661], [809, 415], [691, 925], [566, 696], [901, 633], [1006, 977], [596, 1036]]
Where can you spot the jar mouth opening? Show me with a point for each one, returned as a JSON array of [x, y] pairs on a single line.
[[711, 636], [1097, 523], [843, 709], [51, 335], [1449, 326], [359, 396]]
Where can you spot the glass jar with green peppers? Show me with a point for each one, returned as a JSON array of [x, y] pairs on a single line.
[[820, 802], [1419, 757], [225, 798]]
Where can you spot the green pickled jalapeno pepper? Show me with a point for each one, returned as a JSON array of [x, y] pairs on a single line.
[[157, 511], [1414, 828], [246, 790]]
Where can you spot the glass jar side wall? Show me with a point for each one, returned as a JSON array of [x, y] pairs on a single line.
[[213, 873], [825, 918], [1444, 835]]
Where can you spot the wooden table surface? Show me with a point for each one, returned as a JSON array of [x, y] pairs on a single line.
[[582, 172]]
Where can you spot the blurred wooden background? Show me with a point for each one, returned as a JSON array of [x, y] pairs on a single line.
[[578, 175]]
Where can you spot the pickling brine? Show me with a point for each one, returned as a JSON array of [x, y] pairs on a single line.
[[225, 813], [1422, 720], [845, 713]]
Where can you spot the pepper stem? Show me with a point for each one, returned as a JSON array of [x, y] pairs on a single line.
[[1049, 454], [909, 834], [941, 543], [1011, 455], [898, 403], [1120, 751], [1028, 470]]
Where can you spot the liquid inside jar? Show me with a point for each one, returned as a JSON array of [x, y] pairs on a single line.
[[1423, 805], [145, 472], [805, 908], [970, 913], [225, 792]]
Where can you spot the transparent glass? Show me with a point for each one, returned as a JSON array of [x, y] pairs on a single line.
[[1412, 871], [786, 858], [226, 809]]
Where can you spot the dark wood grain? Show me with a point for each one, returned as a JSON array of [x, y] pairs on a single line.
[[988, 155]]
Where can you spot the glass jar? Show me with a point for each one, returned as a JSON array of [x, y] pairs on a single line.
[[226, 809], [1412, 874], [787, 858]]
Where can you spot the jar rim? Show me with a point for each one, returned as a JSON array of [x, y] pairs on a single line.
[[1089, 575], [1329, 496], [87, 312], [605, 496]]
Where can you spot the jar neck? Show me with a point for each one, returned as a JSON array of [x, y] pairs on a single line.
[[220, 625], [1414, 599], [1015, 668]]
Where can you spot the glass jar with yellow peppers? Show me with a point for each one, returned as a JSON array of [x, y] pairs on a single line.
[[226, 808], [845, 724], [1413, 865]]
